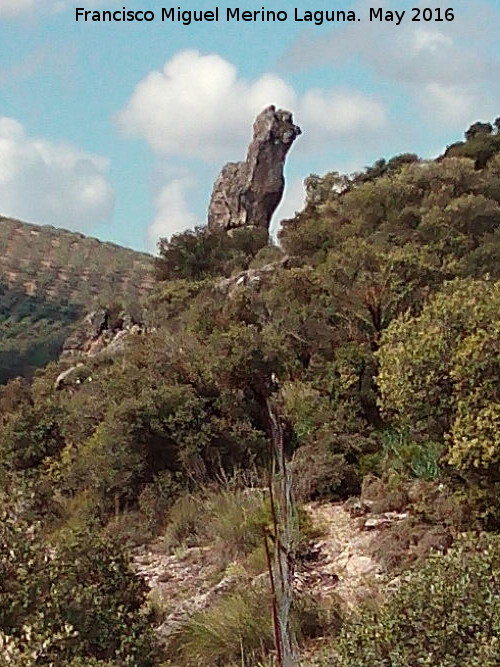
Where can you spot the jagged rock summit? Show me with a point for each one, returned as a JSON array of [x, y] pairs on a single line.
[[246, 194]]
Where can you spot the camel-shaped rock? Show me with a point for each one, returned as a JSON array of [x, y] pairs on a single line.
[[246, 194]]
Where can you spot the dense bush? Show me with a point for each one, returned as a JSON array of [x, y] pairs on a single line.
[[197, 254], [481, 143], [445, 613], [438, 373], [30, 436], [79, 599]]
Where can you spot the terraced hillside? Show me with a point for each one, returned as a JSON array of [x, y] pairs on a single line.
[[48, 278]]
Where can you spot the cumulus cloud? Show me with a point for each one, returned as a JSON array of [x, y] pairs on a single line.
[[292, 202], [451, 104], [198, 106], [437, 62], [173, 213], [51, 183]]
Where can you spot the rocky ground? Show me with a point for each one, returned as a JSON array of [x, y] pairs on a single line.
[[339, 564]]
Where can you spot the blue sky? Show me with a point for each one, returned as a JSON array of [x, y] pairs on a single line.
[[118, 130]]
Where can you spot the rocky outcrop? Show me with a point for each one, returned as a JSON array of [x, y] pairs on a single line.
[[255, 278], [101, 334], [187, 583], [246, 194]]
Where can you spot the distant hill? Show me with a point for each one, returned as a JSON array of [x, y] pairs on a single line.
[[48, 278]]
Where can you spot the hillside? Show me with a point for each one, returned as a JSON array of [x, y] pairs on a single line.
[[300, 459], [48, 278]]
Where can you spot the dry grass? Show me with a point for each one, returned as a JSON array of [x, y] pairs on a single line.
[[237, 628], [230, 520]]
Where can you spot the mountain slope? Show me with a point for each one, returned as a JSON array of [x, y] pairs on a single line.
[[48, 278]]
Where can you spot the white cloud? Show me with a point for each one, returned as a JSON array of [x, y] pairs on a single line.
[[173, 214], [451, 104], [330, 114], [435, 62], [425, 39], [292, 202], [51, 183], [197, 106]]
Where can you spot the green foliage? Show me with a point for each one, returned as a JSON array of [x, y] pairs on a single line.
[[323, 462], [321, 472], [447, 208], [237, 629], [447, 612], [31, 435], [438, 372], [157, 497], [384, 167], [481, 144], [171, 298], [406, 457], [78, 599], [32, 330], [266, 255], [230, 519], [306, 409], [198, 253]]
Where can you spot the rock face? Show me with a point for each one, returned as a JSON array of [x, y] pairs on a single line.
[[246, 194], [102, 334]]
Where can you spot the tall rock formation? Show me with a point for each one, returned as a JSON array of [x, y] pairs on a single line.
[[246, 194]]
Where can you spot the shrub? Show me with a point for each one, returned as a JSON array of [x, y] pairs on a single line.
[[79, 599], [238, 628], [320, 473], [158, 497], [31, 435], [401, 454], [185, 519], [439, 374], [447, 613], [266, 255], [199, 253]]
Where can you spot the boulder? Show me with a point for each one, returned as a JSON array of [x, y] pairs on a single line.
[[72, 376]]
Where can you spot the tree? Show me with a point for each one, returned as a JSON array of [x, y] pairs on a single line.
[[478, 128]]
